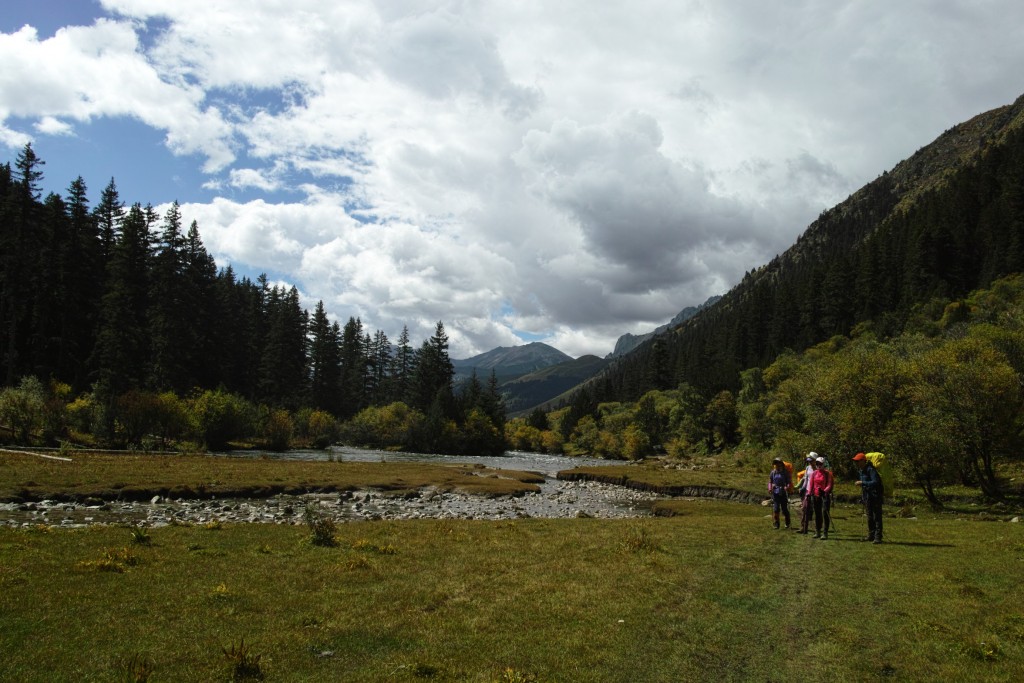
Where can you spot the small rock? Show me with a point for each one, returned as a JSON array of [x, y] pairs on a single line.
[[1015, 520], [155, 499]]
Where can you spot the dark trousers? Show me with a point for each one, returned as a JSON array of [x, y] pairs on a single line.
[[806, 511], [873, 508], [822, 516], [780, 502]]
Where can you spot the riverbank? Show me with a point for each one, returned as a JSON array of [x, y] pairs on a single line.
[[554, 500]]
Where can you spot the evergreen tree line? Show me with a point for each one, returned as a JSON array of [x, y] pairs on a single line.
[[867, 262], [118, 301]]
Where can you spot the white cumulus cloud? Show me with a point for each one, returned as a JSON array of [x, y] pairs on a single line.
[[568, 171]]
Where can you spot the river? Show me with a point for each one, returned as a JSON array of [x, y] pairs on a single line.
[[544, 463], [556, 498]]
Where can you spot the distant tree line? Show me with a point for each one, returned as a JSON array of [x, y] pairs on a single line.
[[121, 304]]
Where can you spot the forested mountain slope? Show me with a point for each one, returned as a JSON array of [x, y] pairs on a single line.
[[529, 391], [943, 222]]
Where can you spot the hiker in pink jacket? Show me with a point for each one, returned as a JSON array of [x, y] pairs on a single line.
[[820, 489]]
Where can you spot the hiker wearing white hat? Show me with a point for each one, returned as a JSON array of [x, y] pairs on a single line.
[[820, 489], [806, 500]]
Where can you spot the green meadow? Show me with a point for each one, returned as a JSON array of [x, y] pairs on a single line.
[[711, 593]]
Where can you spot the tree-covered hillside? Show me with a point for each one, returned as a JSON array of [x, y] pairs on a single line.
[[945, 221], [943, 399], [865, 335]]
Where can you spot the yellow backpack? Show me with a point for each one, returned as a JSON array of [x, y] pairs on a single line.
[[884, 468]]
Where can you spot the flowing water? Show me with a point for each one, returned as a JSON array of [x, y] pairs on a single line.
[[546, 464]]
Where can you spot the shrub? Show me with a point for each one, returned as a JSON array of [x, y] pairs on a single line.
[[217, 417], [82, 413], [136, 415], [392, 426], [22, 407], [322, 529], [635, 443], [322, 429], [277, 430], [140, 536], [479, 435]]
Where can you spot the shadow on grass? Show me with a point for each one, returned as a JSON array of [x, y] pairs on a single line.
[[909, 544], [915, 544]]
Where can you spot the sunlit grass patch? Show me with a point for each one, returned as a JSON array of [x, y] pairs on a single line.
[[363, 544], [116, 560], [639, 539], [510, 675], [357, 563]]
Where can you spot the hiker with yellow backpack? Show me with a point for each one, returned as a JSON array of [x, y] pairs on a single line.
[[780, 484], [872, 490]]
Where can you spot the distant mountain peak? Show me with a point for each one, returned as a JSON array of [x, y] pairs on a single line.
[[628, 342], [510, 361]]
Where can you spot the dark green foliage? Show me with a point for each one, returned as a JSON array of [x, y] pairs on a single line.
[[121, 351], [22, 240], [432, 376], [324, 361], [354, 365], [282, 372]]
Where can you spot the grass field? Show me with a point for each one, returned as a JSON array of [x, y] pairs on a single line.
[[710, 594], [139, 477]]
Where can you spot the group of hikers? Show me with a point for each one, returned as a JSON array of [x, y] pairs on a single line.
[[814, 485]]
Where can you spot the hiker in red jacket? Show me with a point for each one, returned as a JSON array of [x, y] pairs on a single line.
[[779, 483], [820, 488]]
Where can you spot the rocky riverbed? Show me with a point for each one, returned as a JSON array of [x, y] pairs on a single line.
[[557, 499]]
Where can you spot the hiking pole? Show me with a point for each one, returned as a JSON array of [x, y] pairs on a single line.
[[831, 517]]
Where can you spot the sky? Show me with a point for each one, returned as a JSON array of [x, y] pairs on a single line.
[[560, 171]]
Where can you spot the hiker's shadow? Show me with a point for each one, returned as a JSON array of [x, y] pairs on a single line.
[[909, 544]]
